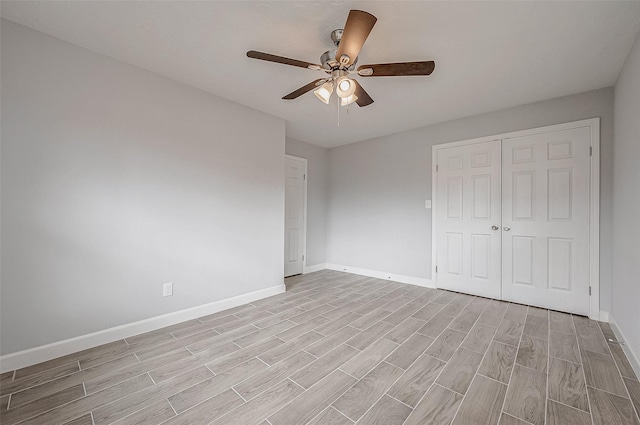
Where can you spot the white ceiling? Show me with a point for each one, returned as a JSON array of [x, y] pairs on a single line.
[[489, 55]]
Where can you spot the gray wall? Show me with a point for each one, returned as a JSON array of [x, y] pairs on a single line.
[[626, 201], [317, 183], [376, 217], [116, 180]]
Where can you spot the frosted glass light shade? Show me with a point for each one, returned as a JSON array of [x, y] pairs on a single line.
[[345, 87], [344, 101], [324, 92]]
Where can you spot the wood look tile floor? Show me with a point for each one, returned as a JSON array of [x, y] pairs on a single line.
[[342, 349]]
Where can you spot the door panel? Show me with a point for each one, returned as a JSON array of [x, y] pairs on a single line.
[[468, 204], [523, 195], [522, 260], [481, 196], [480, 256], [454, 197], [294, 216], [545, 210]]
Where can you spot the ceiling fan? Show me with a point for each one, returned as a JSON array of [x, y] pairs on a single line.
[[340, 64]]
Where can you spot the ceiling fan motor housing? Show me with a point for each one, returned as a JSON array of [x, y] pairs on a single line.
[[328, 58]]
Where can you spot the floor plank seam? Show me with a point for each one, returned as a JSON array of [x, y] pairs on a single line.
[[399, 401], [268, 365], [521, 420], [608, 392], [493, 379], [354, 376], [568, 405], [171, 405], [333, 408], [343, 414], [239, 395], [530, 368], [564, 360]]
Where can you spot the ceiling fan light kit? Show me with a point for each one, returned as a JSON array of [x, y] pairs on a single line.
[[340, 64]]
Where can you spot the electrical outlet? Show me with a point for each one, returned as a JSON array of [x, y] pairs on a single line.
[[167, 289], [427, 204]]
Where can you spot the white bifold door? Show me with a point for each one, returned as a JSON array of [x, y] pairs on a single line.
[[512, 219], [294, 200]]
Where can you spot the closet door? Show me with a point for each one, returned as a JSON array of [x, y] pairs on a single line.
[[468, 219], [545, 219]]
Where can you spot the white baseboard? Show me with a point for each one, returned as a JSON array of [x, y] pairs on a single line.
[[382, 275], [631, 355], [603, 317], [315, 268], [62, 348]]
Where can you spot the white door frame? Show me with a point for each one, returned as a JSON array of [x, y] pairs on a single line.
[[304, 215], [594, 207]]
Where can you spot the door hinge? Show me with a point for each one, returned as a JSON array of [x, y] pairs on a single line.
[[589, 290], [303, 258], [436, 168], [436, 269], [590, 150], [304, 177]]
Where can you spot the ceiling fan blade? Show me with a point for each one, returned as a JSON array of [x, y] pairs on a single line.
[[280, 59], [363, 97], [356, 30], [302, 90], [397, 69]]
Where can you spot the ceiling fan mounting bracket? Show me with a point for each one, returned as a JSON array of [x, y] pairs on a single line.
[[336, 36]]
